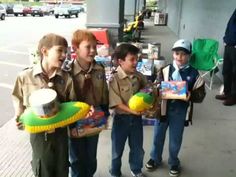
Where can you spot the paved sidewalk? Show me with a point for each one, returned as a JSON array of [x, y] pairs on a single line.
[[209, 146], [15, 153]]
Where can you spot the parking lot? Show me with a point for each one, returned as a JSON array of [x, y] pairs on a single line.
[[17, 36]]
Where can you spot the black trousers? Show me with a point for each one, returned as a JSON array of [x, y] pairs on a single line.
[[229, 71], [50, 154]]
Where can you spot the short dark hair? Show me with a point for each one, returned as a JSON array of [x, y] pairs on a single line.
[[177, 49], [123, 50]]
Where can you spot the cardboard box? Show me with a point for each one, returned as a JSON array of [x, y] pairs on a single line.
[[173, 89], [146, 67], [105, 61]]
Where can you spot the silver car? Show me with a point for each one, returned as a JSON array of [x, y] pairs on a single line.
[[2, 12], [66, 10]]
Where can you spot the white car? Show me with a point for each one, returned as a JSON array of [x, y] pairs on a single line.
[[2, 12], [66, 10], [18, 10]]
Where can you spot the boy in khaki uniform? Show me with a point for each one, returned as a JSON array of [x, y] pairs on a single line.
[[89, 80], [49, 149], [127, 123]]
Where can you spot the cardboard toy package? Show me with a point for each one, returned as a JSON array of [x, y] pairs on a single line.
[[173, 90], [146, 67], [105, 61], [92, 125]]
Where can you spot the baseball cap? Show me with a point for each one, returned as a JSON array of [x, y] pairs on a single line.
[[183, 45]]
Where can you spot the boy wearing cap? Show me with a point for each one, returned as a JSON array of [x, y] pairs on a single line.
[[175, 114]]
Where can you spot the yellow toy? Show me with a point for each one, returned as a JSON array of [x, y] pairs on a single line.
[[141, 101]]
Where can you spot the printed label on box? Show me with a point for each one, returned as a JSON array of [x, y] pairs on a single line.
[[173, 89]]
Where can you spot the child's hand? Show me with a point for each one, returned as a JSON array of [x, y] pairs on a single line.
[[19, 124], [74, 132], [91, 112], [187, 97], [138, 113]]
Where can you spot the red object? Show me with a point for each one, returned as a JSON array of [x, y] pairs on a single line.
[[73, 56], [101, 35]]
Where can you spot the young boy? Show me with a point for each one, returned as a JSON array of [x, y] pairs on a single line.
[[49, 149], [175, 112], [89, 80], [127, 124]]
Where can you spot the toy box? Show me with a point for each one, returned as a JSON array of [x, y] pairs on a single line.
[[173, 90], [146, 67], [105, 61], [92, 125]]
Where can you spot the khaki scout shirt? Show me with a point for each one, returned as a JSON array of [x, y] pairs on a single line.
[[97, 92], [33, 79], [123, 86]]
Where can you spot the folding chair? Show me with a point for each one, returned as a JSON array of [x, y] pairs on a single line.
[[205, 58]]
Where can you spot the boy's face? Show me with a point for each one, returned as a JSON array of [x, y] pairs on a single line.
[[181, 58], [55, 56], [86, 51], [130, 63]]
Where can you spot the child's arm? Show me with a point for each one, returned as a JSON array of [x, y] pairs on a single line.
[[198, 92], [105, 97], [125, 108], [17, 97]]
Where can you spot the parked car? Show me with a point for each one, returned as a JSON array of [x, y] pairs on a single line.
[[51, 8], [66, 10], [78, 7], [9, 8], [47, 10], [37, 10], [27, 10], [2, 12], [18, 10]]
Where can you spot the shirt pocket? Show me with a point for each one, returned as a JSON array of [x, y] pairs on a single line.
[[28, 88], [125, 93]]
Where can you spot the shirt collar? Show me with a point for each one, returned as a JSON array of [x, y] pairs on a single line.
[[121, 73], [37, 69], [77, 68]]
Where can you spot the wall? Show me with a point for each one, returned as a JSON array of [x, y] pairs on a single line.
[[130, 9], [200, 19], [173, 8]]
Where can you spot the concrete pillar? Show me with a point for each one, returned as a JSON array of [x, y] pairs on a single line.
[[133, 7], [106, 14], [130, 9]]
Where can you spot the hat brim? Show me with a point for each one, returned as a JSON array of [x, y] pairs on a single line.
[[181, 49], [69, 113]]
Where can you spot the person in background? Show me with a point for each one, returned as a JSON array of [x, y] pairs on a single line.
[[175, 114], [49, 149], [229, 64], [89, 80], [127, 124]]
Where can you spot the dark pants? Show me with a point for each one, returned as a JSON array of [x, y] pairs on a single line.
[[229, 71], [83, 156], [127, 127], [50, 154], [175, 122]]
